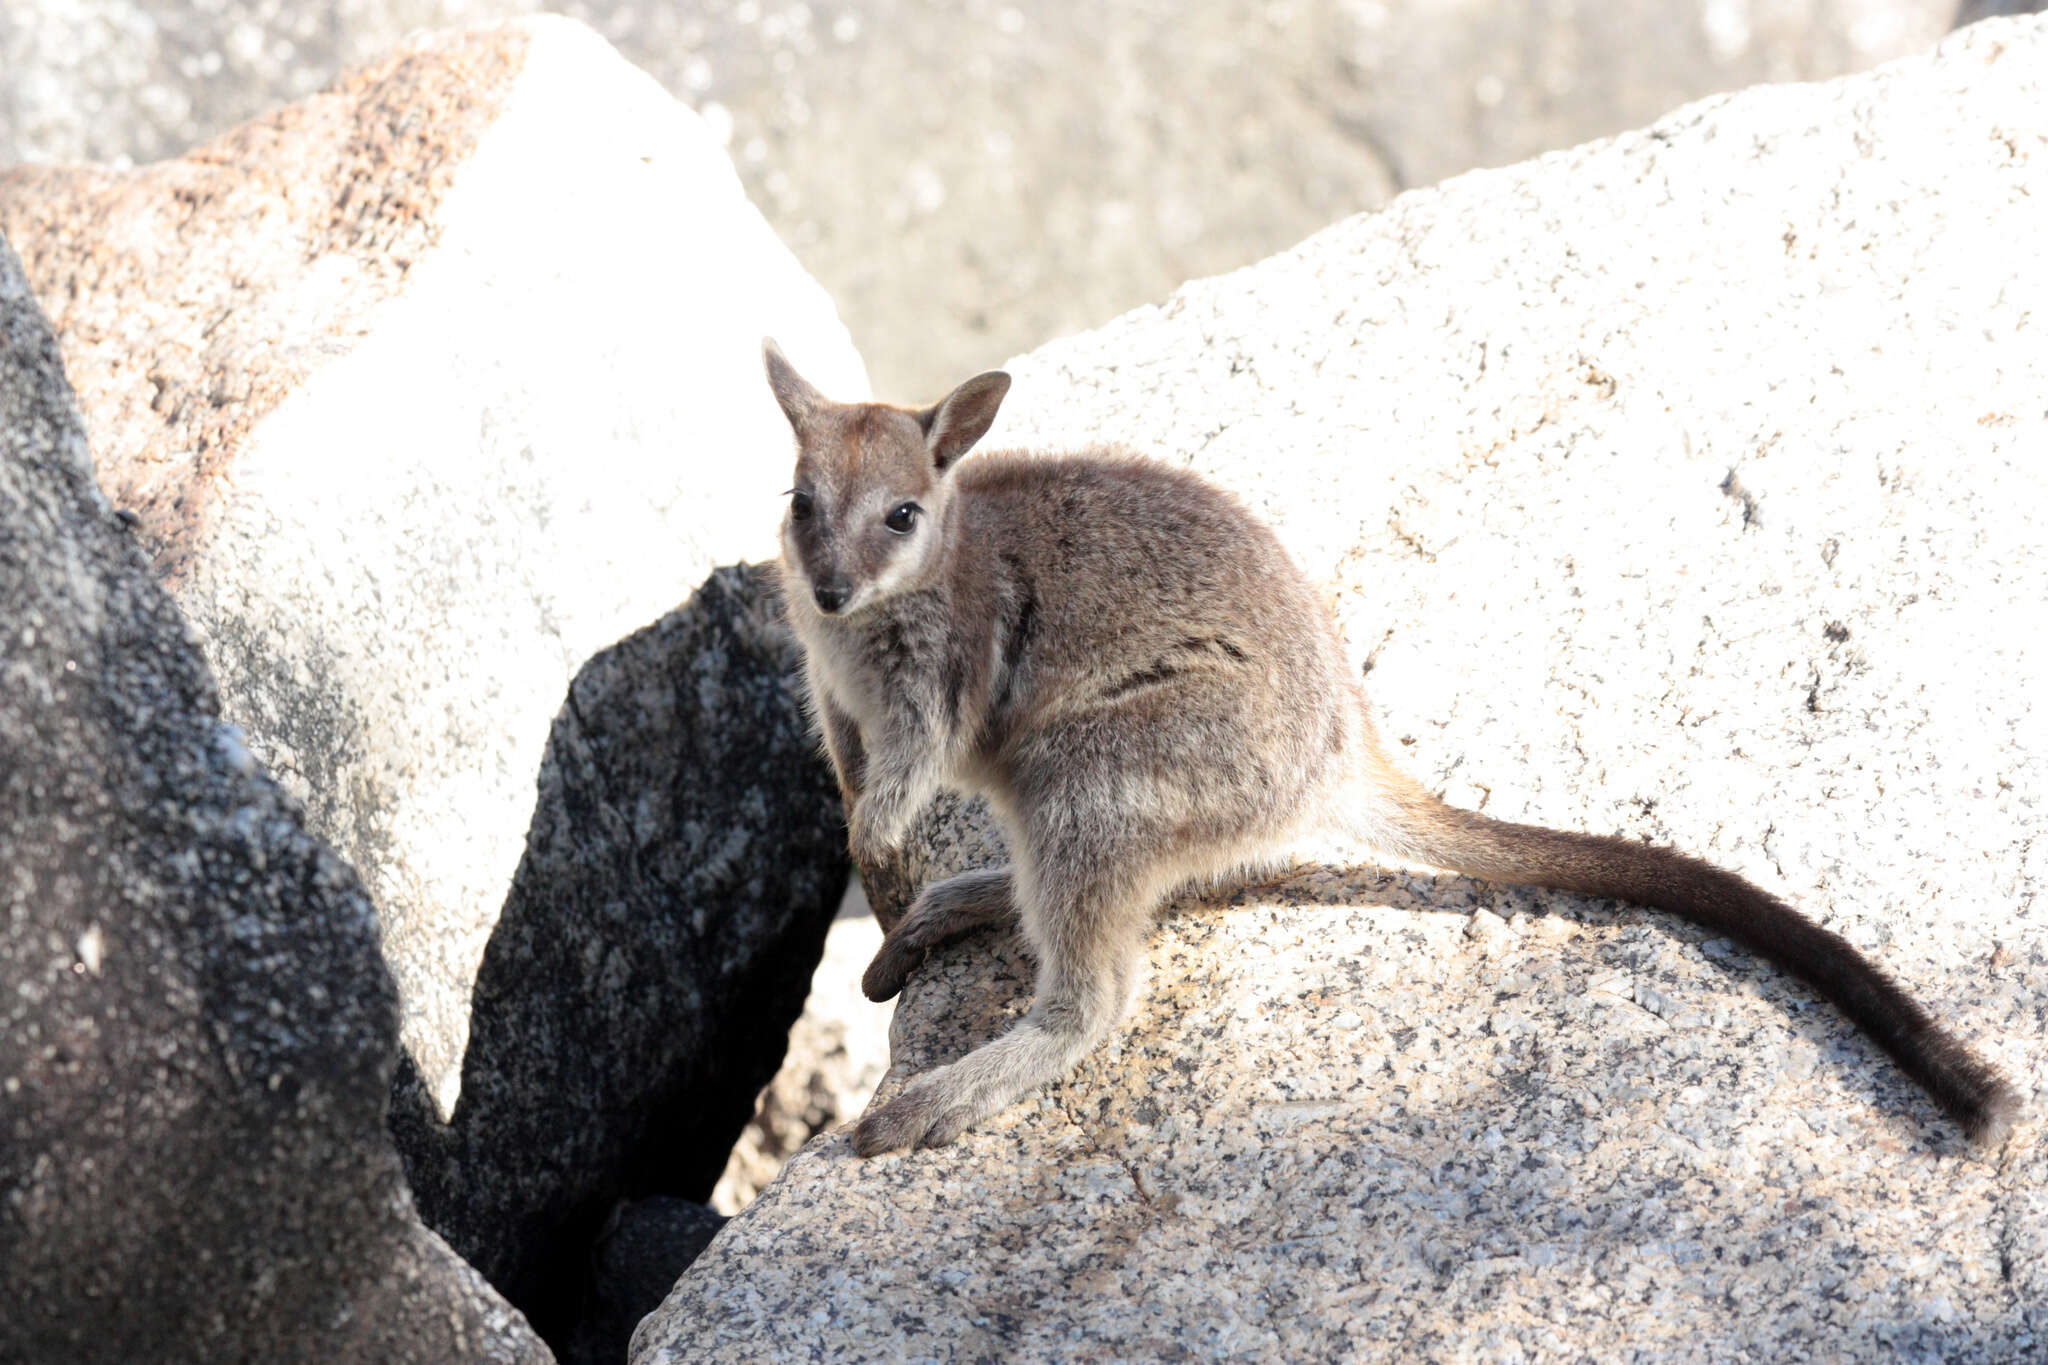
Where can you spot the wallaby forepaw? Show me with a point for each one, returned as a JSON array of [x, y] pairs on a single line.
[[862, 845], [873, 831], [924, 1115]]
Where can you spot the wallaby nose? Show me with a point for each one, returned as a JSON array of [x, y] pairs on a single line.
[[831, 594]]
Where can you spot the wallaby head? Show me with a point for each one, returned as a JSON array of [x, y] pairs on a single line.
[[868, 506]]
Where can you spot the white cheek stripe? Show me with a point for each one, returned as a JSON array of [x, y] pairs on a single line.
[[907, 560], [907, 557]]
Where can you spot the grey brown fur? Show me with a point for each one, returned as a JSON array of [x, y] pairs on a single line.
[[1127, 665]]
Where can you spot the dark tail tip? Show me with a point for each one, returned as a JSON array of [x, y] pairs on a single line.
[[1985, 1103], [1991, 1117]]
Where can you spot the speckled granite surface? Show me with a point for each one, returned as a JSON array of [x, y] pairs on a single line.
[[1687, 485]]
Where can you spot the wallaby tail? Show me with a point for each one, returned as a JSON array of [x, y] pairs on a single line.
[[1427, 830]]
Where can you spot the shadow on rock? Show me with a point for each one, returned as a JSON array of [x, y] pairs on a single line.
[[684, 861], [196, 1026], [646, 1246]]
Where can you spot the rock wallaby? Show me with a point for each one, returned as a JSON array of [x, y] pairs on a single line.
[[1126, 664]]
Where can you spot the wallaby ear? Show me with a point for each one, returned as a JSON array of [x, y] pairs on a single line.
[[962, 417], [798, 399]]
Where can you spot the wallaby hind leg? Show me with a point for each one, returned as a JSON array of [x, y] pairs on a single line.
[[941, 913], [1090, 942]]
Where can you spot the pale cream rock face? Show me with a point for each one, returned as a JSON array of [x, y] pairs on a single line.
[[1687, 486]]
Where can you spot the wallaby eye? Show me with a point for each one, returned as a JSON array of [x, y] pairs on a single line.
[[903, 518], [799, 505]]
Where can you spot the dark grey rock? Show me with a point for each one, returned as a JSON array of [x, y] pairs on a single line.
[[1970, 11], [684, 862], [196, 1027], [645, 1248]]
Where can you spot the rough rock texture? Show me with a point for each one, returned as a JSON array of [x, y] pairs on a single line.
[[684, 864], [424, 390], [1685, 485], [196, 1029], [838, 1052], [972, 177]]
